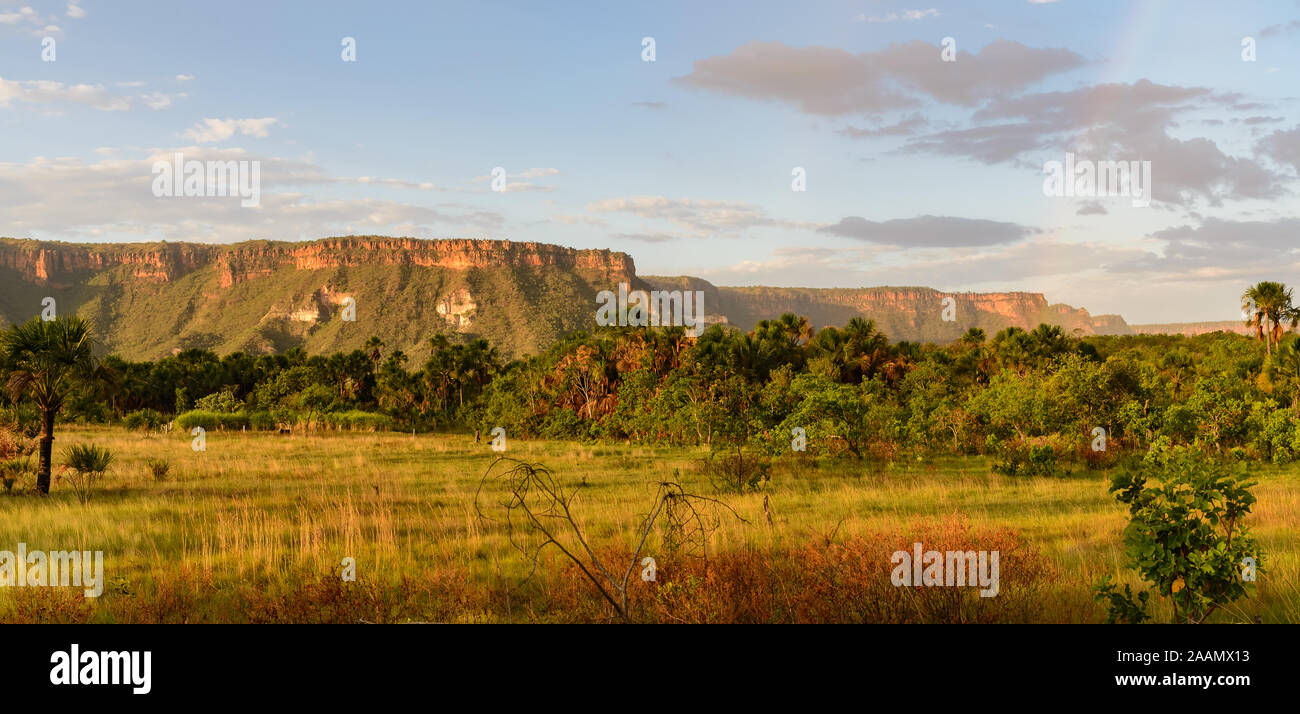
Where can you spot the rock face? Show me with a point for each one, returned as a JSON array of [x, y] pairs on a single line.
[[1191, 329], [60, 263], [57, 263], [150, 300], [248, 261], [457, 307], [903, 313]]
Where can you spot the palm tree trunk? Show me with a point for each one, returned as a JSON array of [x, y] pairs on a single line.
[[47, 449]]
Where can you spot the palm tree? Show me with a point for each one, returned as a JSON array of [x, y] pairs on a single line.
[[974, 337], [1177, 366], [1267, 306], [1282, 371], [375, 349], [795, 326], [476, 364], [46, 360]]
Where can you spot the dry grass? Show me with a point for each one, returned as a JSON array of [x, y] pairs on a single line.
[[255, 530]]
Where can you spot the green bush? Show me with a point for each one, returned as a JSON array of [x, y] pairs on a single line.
[[236, 420], [262, 421], [1186, 536], [356, 420], [211, 421], [223, 401], [143, 419], [1024, 457]]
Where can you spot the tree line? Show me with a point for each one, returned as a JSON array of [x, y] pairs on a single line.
[[1030, 398]]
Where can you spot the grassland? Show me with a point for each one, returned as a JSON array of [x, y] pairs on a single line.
[[255, 529]]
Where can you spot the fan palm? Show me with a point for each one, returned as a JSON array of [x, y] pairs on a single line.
[[1268, 306], [47, 359]]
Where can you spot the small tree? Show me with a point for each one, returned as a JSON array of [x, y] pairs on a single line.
[[832, 413], [1185, 536], [316, 400]]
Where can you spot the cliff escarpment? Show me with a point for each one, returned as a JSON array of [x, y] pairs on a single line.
[[904, 313], [149, 300]]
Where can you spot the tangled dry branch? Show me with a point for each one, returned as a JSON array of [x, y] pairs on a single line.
[[538, 512]]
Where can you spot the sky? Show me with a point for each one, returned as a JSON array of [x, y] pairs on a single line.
[[817, 144]]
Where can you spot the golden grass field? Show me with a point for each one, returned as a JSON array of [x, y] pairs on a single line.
[[256, 527]]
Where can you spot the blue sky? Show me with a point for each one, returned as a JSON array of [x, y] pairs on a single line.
[[918, 171]]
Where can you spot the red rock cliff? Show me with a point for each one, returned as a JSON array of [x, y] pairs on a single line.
[[41, 261]]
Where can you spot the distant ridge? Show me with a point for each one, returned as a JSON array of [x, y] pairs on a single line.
[[149, 300], [1191, 329], [903, 313]]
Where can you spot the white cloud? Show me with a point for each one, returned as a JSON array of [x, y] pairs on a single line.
[[157, 100], [529, 173], [905, 16], [71, 199], [212, 130], [45, 92], [700, 218], [523, 186], [30, 21], [75, 11]]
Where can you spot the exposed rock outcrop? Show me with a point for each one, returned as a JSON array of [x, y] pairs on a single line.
[[151, 299]]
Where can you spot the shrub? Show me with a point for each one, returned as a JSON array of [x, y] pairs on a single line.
[[1024, 457], [143, 419], [846, 581], [158, 468], [16, 452], [563, 424], [1098, 460], [223, 401], [735, 470], [1185, 537], [357, 420], [211, 421], [262, 421], [88, 464], [234, 420], [22, 419], [10, 472]]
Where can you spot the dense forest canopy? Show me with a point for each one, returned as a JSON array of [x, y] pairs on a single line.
[[1027, 396]]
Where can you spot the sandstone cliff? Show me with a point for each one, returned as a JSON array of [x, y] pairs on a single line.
[[148, 300], [1191, 329], [152, 299], [903, 313]]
